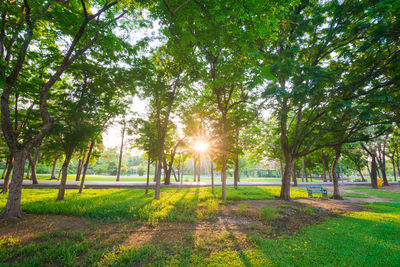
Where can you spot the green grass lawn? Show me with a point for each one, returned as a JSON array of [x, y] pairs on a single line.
[[132, 204], [378, 192], [366, 238]]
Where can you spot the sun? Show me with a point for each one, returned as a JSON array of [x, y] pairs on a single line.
[[200, 146]]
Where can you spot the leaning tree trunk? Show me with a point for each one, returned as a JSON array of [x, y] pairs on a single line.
[[362, 176], [148, 175], [294, 177], [212, 176], [53, 169], [12, 208], [394, 169], [86, 166], [287, 175], [120, 151], [61, 191], [10, 163], [382, 167], [236, 172], [336, 193]]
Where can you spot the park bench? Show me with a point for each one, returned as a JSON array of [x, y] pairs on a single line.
[[311, 189]]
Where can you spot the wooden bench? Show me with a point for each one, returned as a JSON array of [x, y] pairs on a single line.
[[311, 189]]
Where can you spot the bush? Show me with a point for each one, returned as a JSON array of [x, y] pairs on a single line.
[[140, 170]]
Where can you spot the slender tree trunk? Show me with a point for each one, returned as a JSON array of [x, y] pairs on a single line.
[[80, 164], [294, 177], [121, 150], [182, 167], [394, 169], [155, 170], [212, 176], [61, 191], [336, 193], [309, 171], [194, 169], [28, 171], [223, 178], [86, 166], [12, 208], [368, 169], [280, 162], [53, 170], [303, 168], [199, 168], [167, 172], [148, 175], [175, 177], [59, 174], [287, 175], [236, 172], [398, 162], [382, 167], [6, 181]]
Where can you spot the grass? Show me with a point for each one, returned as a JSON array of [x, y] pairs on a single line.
[[268, 214], [378, 192], [181, 205], [368, 238], [355, 195]]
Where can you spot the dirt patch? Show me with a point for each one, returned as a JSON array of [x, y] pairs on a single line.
[[232, 226]]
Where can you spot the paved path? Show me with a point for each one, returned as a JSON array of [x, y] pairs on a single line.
[[101, 184]]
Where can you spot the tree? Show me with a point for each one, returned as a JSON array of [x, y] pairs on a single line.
[[40, 23]]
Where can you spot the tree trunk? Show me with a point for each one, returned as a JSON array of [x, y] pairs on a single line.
[[61, 191], [303, 169], [182, 166], [167, 172], [155, 170], [10, 163], [362, 176], [398, 162], [212, 176], [287, 175], [223, 178], [33, 168], [194, 169], [158, 178], [28, 171], [121, 150], [394, 169], [236, 172], [148, 176], [12, 208], [53, 170], [294, 177], [80, 164], [280, 162], [336, 193], [374, 170], [86, 166], [199, 168], [382, 163]]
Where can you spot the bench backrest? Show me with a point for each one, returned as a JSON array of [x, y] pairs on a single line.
[[314, 187]]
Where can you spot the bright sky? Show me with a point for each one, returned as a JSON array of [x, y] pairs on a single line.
[[112, 138]]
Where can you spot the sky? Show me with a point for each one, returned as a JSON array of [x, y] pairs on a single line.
[[112, 137]]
